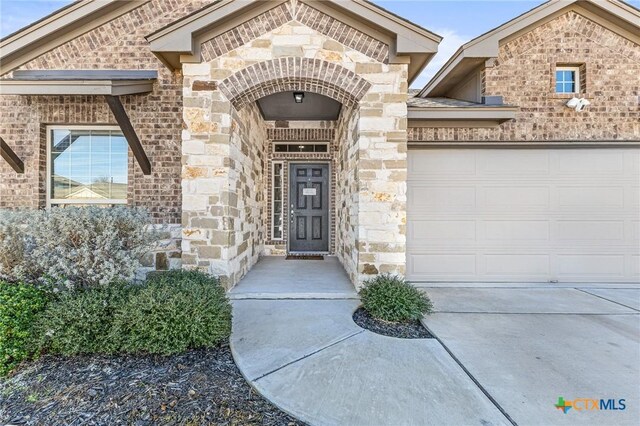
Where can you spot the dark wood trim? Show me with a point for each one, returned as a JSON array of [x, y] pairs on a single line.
[[10, 157], [129, 133]]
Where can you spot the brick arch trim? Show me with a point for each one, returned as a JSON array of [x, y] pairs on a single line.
[[294, 73]]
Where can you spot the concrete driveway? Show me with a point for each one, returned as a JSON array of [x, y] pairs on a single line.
[[528, 346]]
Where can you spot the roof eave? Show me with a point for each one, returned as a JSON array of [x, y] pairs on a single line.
[[52, 31], [71, 88], [464, 114]]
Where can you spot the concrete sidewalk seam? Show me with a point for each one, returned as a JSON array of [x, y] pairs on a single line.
[[636, 312], [473, 379], [608, 300], [307, 355]]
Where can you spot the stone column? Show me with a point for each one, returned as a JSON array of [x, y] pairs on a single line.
[[207, 232], [382, 172]]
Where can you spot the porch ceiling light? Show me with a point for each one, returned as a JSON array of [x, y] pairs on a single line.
[[298, 97]]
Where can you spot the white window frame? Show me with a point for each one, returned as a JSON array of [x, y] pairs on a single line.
[[273, 199], [576, 77], [71, 127], [325, 143]]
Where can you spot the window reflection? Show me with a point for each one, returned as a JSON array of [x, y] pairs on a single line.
[[88, 165]]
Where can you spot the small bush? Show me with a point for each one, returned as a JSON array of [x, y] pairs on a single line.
[[174, 311], [390, 298], [19, 305], [169, 313], [76, 246], [79, 322]]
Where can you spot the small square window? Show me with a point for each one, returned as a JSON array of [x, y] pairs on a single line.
[[567, 79]]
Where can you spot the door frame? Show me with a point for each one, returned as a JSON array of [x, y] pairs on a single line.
[[329, 204]]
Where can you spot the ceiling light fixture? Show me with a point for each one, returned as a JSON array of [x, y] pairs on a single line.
[[298, 97]]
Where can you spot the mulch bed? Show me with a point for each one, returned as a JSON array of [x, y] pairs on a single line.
[[408, 330], [197, 388]]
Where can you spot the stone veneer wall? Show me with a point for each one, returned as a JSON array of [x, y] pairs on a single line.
[[157, 117], [167, 253], [223, 182], [347, 191], [247, 186], [287, 57], [382, 171], [524, 75]]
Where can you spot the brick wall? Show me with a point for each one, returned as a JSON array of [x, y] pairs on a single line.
[[157, 117], [524, 75]]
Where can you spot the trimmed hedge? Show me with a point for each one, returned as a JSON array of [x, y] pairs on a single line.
[[173, 312], [169, 313], [392, 299], [79, 322], [19, 306]]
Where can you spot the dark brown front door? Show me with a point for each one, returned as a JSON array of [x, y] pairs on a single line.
[[309, 208]]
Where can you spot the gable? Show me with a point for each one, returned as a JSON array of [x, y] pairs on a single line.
[[359, 24], [609, 63], [614, 15], [304, 14], [572, 32]]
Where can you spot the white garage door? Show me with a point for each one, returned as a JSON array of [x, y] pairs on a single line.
[[571, 215]]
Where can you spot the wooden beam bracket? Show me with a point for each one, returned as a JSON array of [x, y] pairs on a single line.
[[129, 133], [10, 157]]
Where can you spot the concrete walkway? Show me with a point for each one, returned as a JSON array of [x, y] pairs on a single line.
[[277, 278], [295, 341], [528, 346]]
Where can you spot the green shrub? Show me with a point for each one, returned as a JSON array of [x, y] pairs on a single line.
[[79, 322], [390, 298], [172, 312], [169, 313], [19, 305]]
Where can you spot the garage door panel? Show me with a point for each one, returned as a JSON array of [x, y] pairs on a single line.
[[590, 162], [444, 265], [634, 266], [633, 233], [505, 231], [508, 162], [448, 230], [633, 195], [516, 265], [524, 215], [515, 199], [444, 198], [598, 197], [580, 265], [589, 230], [461, 163]]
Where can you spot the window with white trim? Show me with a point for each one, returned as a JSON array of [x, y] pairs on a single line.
[[277, 200], [87, 165], [567, 79]]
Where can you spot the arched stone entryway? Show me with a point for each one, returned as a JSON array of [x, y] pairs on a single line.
[[294, 74], [227, 151]]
